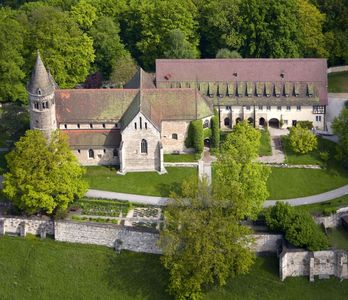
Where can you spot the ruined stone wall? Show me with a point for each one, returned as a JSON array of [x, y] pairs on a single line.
[[107, 235], [14, 225], [266, 242], [293, 263]]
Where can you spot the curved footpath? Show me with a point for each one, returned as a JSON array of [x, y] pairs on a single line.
[[153, 200], [160, 201]]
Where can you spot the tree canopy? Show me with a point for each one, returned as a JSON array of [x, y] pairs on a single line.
[[340, 128], [302, 140], [43, 176]]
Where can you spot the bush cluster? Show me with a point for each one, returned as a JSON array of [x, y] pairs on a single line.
[[215, 132], [195, 136], [302, 140], [298, 227]]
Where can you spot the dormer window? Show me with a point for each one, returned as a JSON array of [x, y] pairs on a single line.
[[249, 89], [268, 90], [259, 89], [310, 89], [287, 89], [297, 89], [277, 89]]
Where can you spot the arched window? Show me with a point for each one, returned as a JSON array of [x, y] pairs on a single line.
[[227, 122], [90, 153], [135, 125], [143, 146], [174, 136], [206, 124]]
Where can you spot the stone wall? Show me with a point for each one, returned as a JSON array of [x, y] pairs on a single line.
[[270, 243], [337, 69], [173, 135], [102, 156], [293, 263], [109, 235], [21, 226]]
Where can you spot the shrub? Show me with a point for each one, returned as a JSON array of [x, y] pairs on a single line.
[[215, 132], [302, 140], [195, 136], [305, 124], [324, 156], [298, 227]]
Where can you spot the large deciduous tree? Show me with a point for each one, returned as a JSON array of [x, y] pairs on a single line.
[[203, 244], [11, 59], [43, 176], [178, 47], [147, 24], [107, 44], [66, 50], [270, 29]]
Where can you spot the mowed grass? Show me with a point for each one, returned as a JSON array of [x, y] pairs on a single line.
[[143, 183], [338, 238], [265, 144], [286, 183], [319, 208], [338, 82], [180, 157], [312, 158], [34, 269], [45, 269]]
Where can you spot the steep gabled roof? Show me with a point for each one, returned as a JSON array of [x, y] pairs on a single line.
[[141, 79], [85, 105], [244, 70]]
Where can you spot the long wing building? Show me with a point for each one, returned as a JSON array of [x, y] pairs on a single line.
[[133, 127]]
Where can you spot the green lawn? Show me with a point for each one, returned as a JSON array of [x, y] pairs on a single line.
[[330, 206], [143, 183], [35, 269], [291, 183], [312, 158], [265, 144], [338, 238], [338, 82], [179, 157]]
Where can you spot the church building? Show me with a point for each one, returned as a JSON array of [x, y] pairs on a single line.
[[134, 126]]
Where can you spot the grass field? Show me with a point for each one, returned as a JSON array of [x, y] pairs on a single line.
[[312, 158], [338, 238], [35, 269], [148, 183], [179, 157], [319, 208], [265, 144], [338, 82], [292, 183]]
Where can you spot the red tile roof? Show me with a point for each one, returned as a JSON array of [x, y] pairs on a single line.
[[294, 70]]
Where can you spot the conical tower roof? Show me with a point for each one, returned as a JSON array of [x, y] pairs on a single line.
[[40, 80]]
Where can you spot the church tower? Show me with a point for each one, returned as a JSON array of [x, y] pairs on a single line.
[[41, 99]]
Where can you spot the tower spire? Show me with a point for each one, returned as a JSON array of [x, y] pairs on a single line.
[[41, 83]]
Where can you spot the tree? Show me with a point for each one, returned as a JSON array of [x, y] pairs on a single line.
[[178, 47], [298, 226], [244, 139], [43, 176], [219, 25], [270, 29], [302, 140], [311, 37], [202, 244], [11, 59], [340, 128], [240, 182], [123, 70], [84, 14], [226, 53], [195, 136], [107, 44], [215, 137], [65, 49], [147, 24]]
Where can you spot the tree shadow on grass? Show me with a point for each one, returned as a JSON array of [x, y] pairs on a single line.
[[138, 275]]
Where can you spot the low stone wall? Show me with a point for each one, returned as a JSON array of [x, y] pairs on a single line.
[[263, 243], [107, 235], [22, 226], [293, 263], [337, 69], [181, 164], [333, 220]]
